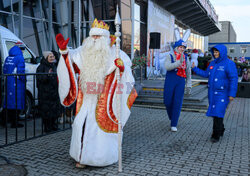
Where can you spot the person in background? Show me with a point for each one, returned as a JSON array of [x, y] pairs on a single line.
[[239, 70], [194, 57], [15, 90], [242, 59], [246, 75], [247, 62], [56, 57], [206, 54], [222, 87], [235, 59], [48, 98], [201, 54]]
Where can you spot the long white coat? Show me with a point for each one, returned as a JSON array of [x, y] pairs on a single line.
[[99, 148]]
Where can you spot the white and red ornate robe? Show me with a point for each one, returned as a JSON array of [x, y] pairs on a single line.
[[94, 139]]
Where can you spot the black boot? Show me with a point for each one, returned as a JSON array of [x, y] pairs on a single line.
[[2, 120], [215, 137], [14, 122], [216, 130], [222, 132], [54, 126], [46, 126]]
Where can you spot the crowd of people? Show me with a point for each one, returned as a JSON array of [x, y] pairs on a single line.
[[91, 79], [49, 108], [246, 75], [243, 68]]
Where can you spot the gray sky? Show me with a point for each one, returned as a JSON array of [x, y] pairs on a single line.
[[238, 12]]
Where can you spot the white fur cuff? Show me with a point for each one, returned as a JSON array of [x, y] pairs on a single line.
[[99, 31], [63, 51]]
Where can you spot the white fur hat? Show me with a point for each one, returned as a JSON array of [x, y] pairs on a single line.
[[99, 31], [99, 28], [46, 54]]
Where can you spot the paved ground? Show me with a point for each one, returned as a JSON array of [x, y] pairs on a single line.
[[149, 148]]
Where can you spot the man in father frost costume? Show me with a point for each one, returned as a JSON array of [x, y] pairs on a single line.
[[94, 140]]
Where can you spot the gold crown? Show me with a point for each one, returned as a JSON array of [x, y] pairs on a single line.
[[100, 24]]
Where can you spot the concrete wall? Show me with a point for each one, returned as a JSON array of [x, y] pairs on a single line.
[[227, 33], [206, 43], [232, 34]]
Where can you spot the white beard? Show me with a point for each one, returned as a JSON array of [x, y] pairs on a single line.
[[96, 54]]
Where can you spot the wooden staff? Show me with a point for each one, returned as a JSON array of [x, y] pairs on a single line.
[[118, 40]]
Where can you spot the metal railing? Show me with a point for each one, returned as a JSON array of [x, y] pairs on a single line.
[[33, 124]]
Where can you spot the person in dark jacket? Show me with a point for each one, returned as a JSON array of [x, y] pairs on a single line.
[[48, 98], [15, 90], [222, 87]]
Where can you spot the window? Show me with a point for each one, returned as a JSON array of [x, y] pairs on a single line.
[[231, 50], [9, 45], [137, 30], [26, 54], [243, 50]]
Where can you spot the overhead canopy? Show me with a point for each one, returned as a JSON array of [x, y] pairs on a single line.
[[198, 15]]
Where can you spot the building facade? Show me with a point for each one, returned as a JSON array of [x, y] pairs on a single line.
[[236, 49], [227, 34], [37, 22]]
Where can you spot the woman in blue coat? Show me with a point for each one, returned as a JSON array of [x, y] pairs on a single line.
[[222, 87], [15, 91]]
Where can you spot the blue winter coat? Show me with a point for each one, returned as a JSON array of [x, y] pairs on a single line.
[[222, 82], [14, 64]]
